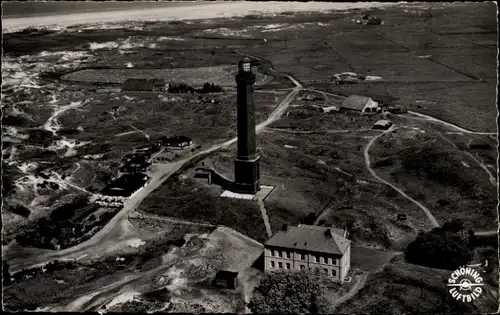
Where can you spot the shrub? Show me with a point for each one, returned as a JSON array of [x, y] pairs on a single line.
[[21, 210], [444, 248], [289, 292]]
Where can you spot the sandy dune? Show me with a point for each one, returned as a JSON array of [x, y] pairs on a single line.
[[195, 11]]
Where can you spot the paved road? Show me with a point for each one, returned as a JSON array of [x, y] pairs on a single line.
[[486, 233]]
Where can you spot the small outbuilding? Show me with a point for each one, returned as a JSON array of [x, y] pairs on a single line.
[[329, 109], [226, 279], [360, 103], [382, 124]]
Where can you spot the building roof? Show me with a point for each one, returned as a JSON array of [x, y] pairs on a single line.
[[125, 185], [225, 274], [357, 102], [382, 122], [311, 238], [174, 140], [138, 160]]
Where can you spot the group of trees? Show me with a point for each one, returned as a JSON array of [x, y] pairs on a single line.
[[446, 247], [64, 227], [184, 88], [284, 292]]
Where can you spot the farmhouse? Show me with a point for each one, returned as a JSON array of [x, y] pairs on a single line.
[[309, 246], [226, 279], [144, 85], [362, 104], [125, 185]]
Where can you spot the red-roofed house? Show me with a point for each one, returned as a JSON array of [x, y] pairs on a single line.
[[309, 246]]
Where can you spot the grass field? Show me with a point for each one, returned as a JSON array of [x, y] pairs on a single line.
[[220, 75], [402, 287], [437, 173]]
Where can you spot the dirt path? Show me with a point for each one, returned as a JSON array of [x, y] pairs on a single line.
[[126, 133], [486, 233], [138, 214], [333, 131], [427, 212], [263, 211], [141, 131], [430, 118], [360, 283], [492, 178]]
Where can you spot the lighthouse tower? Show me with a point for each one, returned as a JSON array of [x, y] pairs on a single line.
[[246, 164]]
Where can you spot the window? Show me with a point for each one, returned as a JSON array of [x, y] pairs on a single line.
[[287, 266], [327, 260], [316, 259], [273, 253], [325, 270], [272, 264], [302, 257], [334, 272], [302, 267], [288, 255], [280, 265], [279, 254]]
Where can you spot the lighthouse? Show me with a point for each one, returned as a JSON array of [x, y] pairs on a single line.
[[246, 164]]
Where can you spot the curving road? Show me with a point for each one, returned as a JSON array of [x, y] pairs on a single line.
[[427, 212], [430, 118]]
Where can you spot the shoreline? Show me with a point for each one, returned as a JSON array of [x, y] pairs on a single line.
[[181, 11], [103, 7]]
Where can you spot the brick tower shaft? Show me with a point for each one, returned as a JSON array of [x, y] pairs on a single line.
[[246, 164]]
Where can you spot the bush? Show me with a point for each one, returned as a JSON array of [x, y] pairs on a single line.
[[20, 210], [289, 292], [480, 144], [66, 211], [444, 248], [5, 273]]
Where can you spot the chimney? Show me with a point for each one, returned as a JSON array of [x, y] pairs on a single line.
[[346, 233], [284, 227], [328, 233]]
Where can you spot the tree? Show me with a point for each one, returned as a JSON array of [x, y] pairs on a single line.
[[445, 248], [288, 292], [206, 88], [5, 273]]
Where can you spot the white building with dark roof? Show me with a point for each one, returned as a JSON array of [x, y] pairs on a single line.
[[360, 103], [309, 247]]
